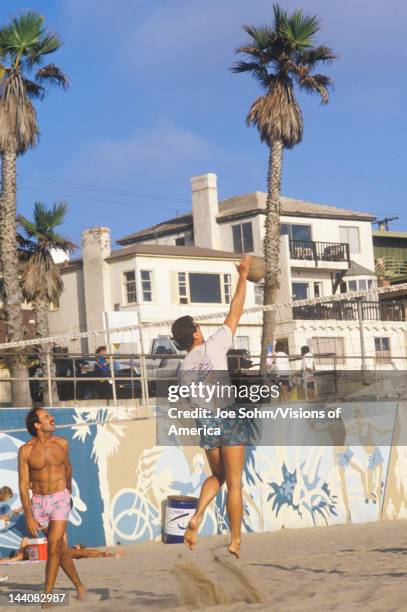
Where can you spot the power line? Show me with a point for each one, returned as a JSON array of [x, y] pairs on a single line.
[[82, 197], [87, 187]]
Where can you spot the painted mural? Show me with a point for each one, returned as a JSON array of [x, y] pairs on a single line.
[[122, 478]]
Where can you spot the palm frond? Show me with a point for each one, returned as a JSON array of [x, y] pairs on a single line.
[[18, 121], [300, 29], [22, 36], [311, 57], [317, 84], [256, 69], [52, 75], [49, 43], [34, 90], [262, 35], [280, 18]]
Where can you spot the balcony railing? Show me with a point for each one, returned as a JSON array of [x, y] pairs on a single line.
[[389, 267], [307, 250], [350, 311]]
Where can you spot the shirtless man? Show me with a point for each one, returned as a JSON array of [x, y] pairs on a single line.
[[44, 462]]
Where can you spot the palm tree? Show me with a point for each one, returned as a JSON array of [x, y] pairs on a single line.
[[40, 276], [280, 57], [24, 44]]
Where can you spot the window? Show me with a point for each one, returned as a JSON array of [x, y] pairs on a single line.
[[147, 285], [242, 238], [332, 350], [180, 241], [201, 288], [163, 346], [295, 231], [357, 285], [259, 293], [130, 287], [382, 350], [300, 291], [318, 290], [350, 235], [182, 288], [204, 288], [227, 287]]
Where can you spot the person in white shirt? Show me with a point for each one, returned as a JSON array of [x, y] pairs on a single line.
[[308, 369], [225, 452], [279, 364]]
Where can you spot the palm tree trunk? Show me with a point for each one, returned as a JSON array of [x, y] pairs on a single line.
[[12, 288], [40, 306], [271, 246]]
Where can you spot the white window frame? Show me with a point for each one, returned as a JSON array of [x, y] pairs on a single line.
[[321, 288], [382, 357], [228, 284], [348, 227], [188, 293], [290, 223], [241, 236], [152, 282], [124, 287], [300, 282]]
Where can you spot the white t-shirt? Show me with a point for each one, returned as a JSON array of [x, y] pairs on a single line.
[[208, 363], [211, 355], [308, 363]]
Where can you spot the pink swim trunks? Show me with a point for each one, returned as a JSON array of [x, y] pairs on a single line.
[[54, 507]]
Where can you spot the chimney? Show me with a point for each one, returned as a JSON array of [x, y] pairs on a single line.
[[205, 209], [95, 249]]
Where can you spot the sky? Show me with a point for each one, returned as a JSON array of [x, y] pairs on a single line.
[[152, 102]]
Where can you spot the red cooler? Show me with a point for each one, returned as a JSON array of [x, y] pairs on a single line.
[[37, 549]]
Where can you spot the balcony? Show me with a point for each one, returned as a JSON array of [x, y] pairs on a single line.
[[391, 268], [348, 311], [327, 255]]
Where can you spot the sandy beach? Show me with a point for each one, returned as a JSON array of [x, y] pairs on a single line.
[[343, 567]]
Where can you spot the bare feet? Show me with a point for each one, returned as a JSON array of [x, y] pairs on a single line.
[[119, 553], [191, 532], [81, 592], [234, 549]]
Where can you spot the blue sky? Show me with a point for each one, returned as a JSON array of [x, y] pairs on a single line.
[[152, 103]]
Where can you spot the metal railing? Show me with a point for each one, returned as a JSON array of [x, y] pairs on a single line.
[[308, 250], [349, 311], [390, 266], [77, 378]]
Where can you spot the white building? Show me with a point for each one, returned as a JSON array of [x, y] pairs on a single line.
[[186, 266]]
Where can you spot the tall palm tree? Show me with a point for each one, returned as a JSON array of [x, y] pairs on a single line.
[[40, 276], [24, 45], [280, 57]]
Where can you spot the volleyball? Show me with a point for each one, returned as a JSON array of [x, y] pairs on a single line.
[[257, 269]]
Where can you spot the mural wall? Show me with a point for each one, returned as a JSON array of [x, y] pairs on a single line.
[[121, 477]]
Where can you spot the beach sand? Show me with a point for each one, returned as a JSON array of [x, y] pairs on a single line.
[[346, 567]]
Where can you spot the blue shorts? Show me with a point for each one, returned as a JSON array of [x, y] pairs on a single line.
[[233, 432]]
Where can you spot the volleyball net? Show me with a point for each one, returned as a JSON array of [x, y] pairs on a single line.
[[118, 364]]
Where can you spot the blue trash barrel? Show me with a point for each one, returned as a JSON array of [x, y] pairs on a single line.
[[179, 510]]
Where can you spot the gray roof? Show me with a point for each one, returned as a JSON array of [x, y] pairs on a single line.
[[244, 206], [172, 226], [171, 251], [356, 269]]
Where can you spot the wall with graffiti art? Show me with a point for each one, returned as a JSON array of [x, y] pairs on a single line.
[[122, 477]]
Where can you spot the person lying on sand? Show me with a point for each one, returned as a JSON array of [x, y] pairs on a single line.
[[76, 552]]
